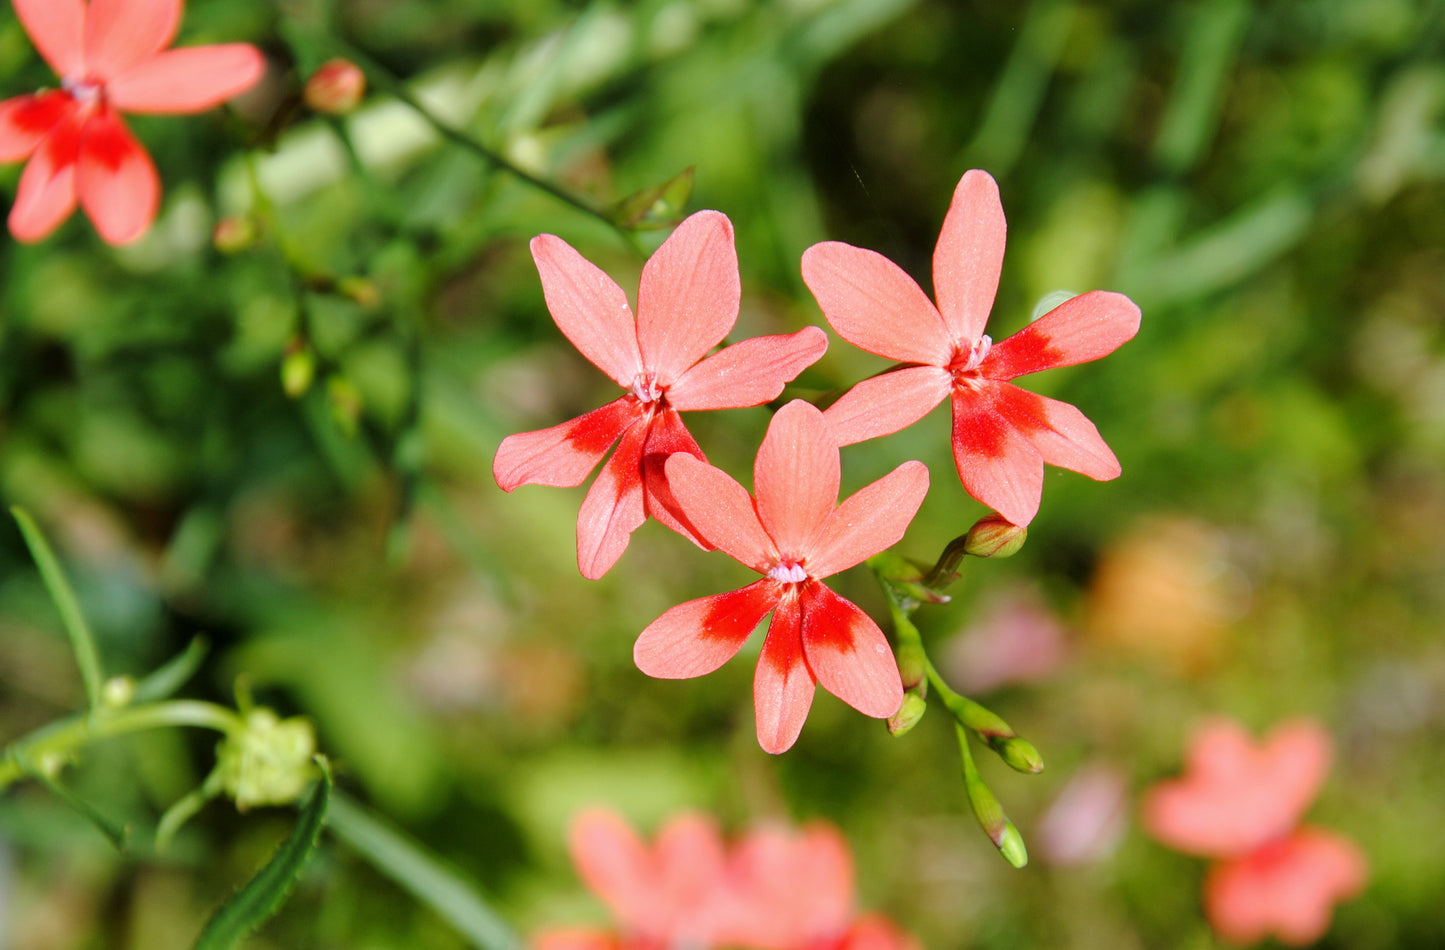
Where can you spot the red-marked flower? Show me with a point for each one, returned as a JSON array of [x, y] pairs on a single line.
[[686, 304], [1002, 435], [1241, 803], [795, 534], [111, 56]]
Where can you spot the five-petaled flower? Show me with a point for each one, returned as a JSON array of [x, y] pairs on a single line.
[[687, 302], [1002, 435], [795, 534], [1241, 803], [111, 56]]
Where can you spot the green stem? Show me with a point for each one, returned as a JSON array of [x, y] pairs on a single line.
[[69, 735], [82, 642]]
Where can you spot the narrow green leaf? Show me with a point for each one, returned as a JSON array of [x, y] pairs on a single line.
[[117, 834], [422, 875], [163, 683], [71, 618], [659, 206], [264, 894]]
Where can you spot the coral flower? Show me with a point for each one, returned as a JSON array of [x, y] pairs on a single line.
[[795, 536], [1002, 435], [687, 303], [111, 56], [1242, 803]]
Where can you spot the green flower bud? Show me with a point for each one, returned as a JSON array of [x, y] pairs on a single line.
[[995, 536], [907, 716], [270, 763]]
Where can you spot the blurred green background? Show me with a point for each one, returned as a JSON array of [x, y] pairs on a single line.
[[1266, 180]]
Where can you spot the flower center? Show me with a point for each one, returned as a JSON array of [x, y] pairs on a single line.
[[645, 387], [966, 359], [788, 571], [87, 92]]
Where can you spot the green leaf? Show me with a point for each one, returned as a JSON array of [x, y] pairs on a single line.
[[264, 894], [117, 834], [659, 206], [424, 876], [173, 675], [71, 618]]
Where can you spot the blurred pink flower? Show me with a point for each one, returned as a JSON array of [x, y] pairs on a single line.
[[773, 890], [795, 534], [1015, 638], [1242, 802], [111, 56], [687, 302], [1087, 818], [1002, 435]]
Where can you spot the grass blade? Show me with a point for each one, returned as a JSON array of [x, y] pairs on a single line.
[[71, 618], [173, 675]]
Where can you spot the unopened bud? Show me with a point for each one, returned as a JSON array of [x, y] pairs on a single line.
[[269, 763], [336, 87], [907, 716], [117, 691], [1019, 753], [1011, 845], [234, 234], [995, 536]]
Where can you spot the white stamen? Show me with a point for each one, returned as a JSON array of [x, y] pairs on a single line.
[[790, 573], [644, 387], [82, 91], [976, 353]]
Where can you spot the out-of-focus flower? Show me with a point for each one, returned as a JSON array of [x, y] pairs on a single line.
[[687, 303], [1016, 638], [1087, 819], [795, 534], [775, 889], [1002, 435], [111, 56], [1241, 802], [336, 87]]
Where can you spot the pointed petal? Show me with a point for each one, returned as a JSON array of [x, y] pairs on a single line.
[[589, 308], [1080, 329], [46, 193], [691, 866], [117, 185], [996, 464], [748, 373], [796, 477], [872, 519], [613, 861], [791, 889], [187, 80], [120, 34], [873, 932], [666, 437], [26, 120], [721, 511], [849, 654], [783, 687], [887, 404], [688, 300], [56, 28], [613, 508], [1287, 888], [697, 637], [563, 455], [874, 305], [969, 255], [1059, 431]]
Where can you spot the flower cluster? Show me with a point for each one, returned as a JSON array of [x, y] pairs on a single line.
[[773, 889], [1241, 803], [111, 56], [793, 531]]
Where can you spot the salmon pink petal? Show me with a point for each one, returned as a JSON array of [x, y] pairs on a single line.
[[666, 437], [56, 27], [870, 520], [589, 308], [796, 477], [783, 686], [793, 889], [688, 299], [564, 454], [1287, 888], [721, 511], [969, 255], [26, 120], [1060, 432], [613, 508], [874, 305], [848, 654], [1080, 329], [874, 932], [888, 403], [697, 637], [691, 868], [120, 34], [748, 373], [46, 193], [995, 462], [117, 185], [187, 80], [614, 862], [573, 938]]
